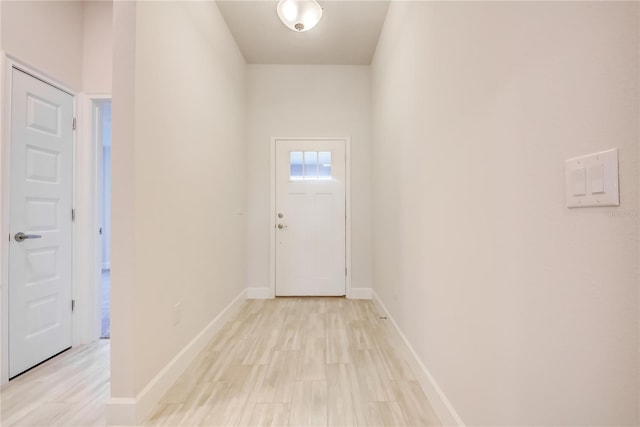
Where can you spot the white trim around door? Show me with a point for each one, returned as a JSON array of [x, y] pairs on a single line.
[[272, 210], [87, 192]]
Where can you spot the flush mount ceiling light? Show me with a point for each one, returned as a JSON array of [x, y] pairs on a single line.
[[299, 15]]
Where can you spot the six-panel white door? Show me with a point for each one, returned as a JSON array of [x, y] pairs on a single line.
[[310, 218], [40, 208]]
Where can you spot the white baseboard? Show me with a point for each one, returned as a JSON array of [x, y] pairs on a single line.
[[133, 411], [266, 293], [259, 293], [360, 293], [443, 407]]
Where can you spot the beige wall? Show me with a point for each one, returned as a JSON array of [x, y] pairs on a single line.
[[46, 35], [69, 41], [123, 184], [525, 312], [179, 152], [97, 52], [308, 100], [4, 247]]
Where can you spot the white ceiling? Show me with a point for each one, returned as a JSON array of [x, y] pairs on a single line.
[[347, 33]]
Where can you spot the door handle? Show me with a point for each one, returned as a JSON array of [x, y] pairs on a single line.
[[280, 226], [21, 237]]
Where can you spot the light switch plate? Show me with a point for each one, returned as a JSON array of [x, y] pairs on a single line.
[[592, 180]]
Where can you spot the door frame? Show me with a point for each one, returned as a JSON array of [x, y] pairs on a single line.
[[89, 167], [272, 210], [9, 63]]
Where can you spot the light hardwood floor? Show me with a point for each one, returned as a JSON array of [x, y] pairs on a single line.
[[68, 390], [288, 361], [299, 362]]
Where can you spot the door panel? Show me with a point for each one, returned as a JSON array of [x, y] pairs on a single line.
[[310, 234], [40, 207]]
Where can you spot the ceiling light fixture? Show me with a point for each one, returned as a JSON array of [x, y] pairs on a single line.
[[299, 15]]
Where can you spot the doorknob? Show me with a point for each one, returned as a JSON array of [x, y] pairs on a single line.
[[21, 237], [280, 226]]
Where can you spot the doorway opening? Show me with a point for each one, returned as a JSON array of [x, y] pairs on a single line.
[[103, 133]]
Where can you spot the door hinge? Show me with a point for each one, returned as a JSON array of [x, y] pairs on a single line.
[[74, 123], [345, 271], [73, 214], [73, 305]]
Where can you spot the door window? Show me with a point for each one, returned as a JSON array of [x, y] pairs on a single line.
[[310, 165]]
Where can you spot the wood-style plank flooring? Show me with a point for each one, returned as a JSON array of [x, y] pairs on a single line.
[[299, 362], [288, 361], [68, 390]]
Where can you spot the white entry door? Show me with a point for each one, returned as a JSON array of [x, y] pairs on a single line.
[[40, 222], [310, 218]]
